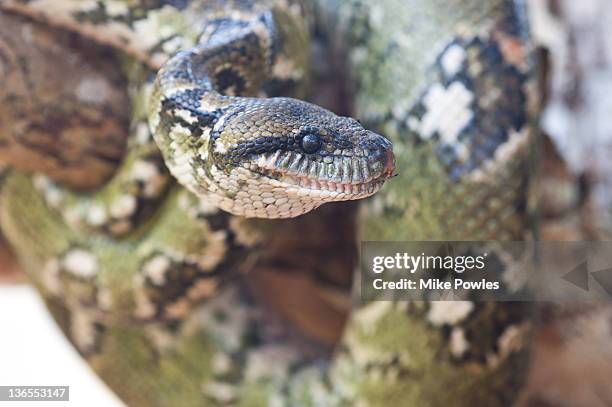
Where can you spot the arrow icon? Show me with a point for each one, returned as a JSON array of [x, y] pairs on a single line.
[[579, 276], [604, 278]]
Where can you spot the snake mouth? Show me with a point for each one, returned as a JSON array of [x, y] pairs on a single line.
[[350, 191], [343, 178]]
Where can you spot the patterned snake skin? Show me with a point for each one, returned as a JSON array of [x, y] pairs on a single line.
[[149, 279]]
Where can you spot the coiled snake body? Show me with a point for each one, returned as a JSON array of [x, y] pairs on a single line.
[[146, 276]]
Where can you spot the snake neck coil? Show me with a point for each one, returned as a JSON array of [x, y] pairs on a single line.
[[256, 156]]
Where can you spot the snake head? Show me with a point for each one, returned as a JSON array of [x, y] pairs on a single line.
[[281, 157], [257, 157]]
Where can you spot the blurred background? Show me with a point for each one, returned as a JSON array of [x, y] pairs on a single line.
[[34, 351], [572, 360]]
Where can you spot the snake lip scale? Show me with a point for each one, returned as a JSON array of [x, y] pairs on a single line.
[[355, 191], [351, 178]]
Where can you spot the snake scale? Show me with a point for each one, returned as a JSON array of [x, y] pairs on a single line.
[[151, 279]]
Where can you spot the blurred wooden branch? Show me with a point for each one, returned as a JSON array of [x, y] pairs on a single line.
[[572, 355], [10, 272]]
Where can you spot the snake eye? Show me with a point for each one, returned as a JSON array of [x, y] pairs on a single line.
[[311, 143]]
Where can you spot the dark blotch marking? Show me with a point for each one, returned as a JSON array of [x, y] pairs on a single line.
[[494, 118], [187, 100], [256, 146], [227, 78]]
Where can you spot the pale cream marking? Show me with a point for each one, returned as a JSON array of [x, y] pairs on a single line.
[[452, 59], [178, 309], [96, 215], [143, 135], [116, 8], [259, 361], [123, 206], [50, 277], [82, 329], [161, 338], [221, 363], [220, 391], [285, 68], [156, 268], [458, 342], [186, 115], [448, 312], [513, 339], [92, 90], [120, 227], [203, 288], [81, 263], [231, 330], [448, 111]]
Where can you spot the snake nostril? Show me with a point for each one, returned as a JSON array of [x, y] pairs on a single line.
[[376, 155], [382, 161], [389, 166]]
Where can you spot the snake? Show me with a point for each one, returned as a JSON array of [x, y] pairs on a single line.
[[166, 276]]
